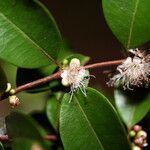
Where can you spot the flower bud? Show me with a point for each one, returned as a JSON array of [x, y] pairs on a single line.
[[136, 148], [8, 87], [137, 128], [139, 141], [65, 62], [75, 62], [12, 91], [14, 101], [142, 134], [64, 82], [132, 133]]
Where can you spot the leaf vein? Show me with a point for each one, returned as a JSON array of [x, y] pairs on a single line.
[[86, 118], [132, 24], [27, 37]]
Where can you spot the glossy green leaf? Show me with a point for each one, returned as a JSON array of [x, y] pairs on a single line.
[[132, 105], [53, 110], [29, 37], [129, 20], [3, 81], [1, 146], [91, 123], [22, 126], [28, 75]]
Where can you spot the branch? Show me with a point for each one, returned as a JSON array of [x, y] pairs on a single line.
[[51, 138], [104, 64], [5, 138], [57, 76], [38, 82]]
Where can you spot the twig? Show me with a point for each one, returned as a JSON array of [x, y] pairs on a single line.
[[57, 76], [5, 138], [51, 138], [104, 64], [38, 82]]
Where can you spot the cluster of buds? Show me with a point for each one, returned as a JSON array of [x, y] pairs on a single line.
[[13, 99], [74, 75], [138, 138], [133, 72]]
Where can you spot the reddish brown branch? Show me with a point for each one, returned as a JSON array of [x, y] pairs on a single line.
[[51, 138], [5, 138], [38, 82], [104, 64], [57, 76]]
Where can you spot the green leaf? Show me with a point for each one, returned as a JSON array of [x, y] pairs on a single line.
[[129, 20], [28, 75], [91, 123], [65, 52], [147, 123], [53, 110], [132, 105], [1, 146], [22, 126], [29, 36], [3, 81], [26, 144]]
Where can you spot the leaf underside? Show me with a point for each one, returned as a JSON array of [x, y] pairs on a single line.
[[132, 105]]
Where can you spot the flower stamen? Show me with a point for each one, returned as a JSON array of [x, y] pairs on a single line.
[[133, 72], [75, 76]]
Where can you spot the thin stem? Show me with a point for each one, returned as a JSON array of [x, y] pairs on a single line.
[[38, 82], [104, 64], [5, 138], [57, 76], [51, 138]]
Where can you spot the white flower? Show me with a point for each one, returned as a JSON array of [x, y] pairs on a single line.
[[74, 76], [133, 72]]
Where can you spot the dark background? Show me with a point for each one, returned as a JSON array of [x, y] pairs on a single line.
[[83, 26]]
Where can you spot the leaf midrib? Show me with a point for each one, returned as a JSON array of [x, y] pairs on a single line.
[[131, 117], [90, 126], [132, 24], [27, 37]]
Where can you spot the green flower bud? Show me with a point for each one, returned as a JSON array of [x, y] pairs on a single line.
[[8, 87], [12, 91], [132, 133]]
